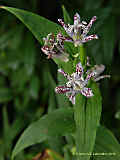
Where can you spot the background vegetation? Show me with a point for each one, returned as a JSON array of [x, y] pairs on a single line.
[[28, 79]]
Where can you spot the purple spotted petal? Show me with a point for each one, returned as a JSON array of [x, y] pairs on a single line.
[[89, 76], [76, 19], [92, 74], [62, 89], [91, 22], [87, 92], [89, 38], [68, 28], [79, 69], [62, 38], [63, 73], [86, 30], [48, 51], [72, 98], [63, 24]]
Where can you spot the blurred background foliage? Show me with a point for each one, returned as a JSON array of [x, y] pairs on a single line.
[[28, 79]]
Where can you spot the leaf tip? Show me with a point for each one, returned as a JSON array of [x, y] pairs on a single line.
[[63, 7]]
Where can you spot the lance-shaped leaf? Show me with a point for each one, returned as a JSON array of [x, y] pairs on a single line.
[[40, 28], [5, 94], [66, 15], [108, 41], [38, 25], [87, 117], [106, 146], [57, 123]]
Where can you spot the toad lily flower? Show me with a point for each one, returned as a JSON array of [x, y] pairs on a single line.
[[98, 69], [79, 30], [54, 48], [77, 84]]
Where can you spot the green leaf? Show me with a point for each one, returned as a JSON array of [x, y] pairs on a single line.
[[28, 53], [52, 101], [5, 121], [55, 143], [66, 66], [5, 95], [106, 143], [108, 39], [19, 79], [8, 60], [38, 25], [57, 123], [16, 127], [16, 39], [50, 84], [79, 115], [11, 38], [2, 81], [87, 117], [34, 87], [93, 113], [6, 129], [6, 125], [67, 18], [1, 151]]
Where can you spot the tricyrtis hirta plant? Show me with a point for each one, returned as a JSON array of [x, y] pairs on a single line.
[[81, 76], [78, 117], [78, 80]]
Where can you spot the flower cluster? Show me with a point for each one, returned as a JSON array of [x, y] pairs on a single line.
[[76, 82], [77, 34], [54, 48]]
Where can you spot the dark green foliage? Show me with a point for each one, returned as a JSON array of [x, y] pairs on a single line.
[[27, 82], [47, 127]]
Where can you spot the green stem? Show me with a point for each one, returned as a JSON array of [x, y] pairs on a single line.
[[79, 115], [82, 54]]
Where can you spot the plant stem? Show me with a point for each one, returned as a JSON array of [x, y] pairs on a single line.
[[82, 54], [79, 114]]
